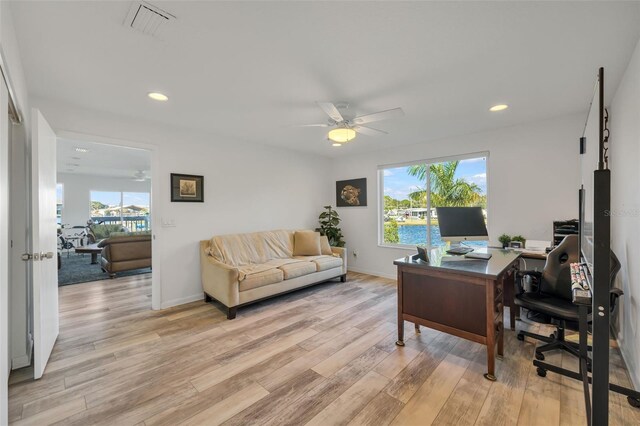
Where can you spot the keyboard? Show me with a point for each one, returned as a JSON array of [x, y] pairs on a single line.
[[459, 250], [474, 255]]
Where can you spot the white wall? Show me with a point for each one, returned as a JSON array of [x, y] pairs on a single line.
[[77, 193], [532, 179], [247, 188], [625, 207]]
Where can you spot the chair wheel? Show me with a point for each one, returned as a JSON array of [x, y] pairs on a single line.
[[539, 356], [521, 337], [541, 372], [634, 402]]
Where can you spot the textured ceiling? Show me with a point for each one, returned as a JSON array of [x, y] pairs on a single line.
[[250, 71]]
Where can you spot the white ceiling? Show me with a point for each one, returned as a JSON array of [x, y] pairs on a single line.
[[101, 159], [251, 70]]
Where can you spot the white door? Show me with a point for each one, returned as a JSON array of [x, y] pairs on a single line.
[[43, 241], [4, 255]]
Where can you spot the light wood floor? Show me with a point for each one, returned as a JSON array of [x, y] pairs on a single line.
[[321, 356]]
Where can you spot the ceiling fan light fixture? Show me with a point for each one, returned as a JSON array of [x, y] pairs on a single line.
[[157, 96], [341, 135], [499, 107]]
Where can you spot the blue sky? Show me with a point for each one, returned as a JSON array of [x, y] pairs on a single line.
[[398, 184], [113, 198]]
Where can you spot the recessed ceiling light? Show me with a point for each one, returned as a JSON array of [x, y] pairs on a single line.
[[500, 107], [83, 150], [336, 144], [157, 96]]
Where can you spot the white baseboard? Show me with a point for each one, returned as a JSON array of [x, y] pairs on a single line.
[[20, 362], [376, 273], [181, 301], [23, 360]]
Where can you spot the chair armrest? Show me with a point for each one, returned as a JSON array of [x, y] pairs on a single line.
[[342, 252], [536, 276], [219, 280], [614, 295]]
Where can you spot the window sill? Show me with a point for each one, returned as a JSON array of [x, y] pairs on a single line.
[[398, 246]]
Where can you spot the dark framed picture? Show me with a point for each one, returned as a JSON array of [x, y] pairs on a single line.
[[187, 188], [351, 193]]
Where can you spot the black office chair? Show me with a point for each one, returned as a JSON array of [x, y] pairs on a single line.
[[549, 300]]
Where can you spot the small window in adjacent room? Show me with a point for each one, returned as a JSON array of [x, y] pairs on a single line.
[[408, 210], [59, 202]]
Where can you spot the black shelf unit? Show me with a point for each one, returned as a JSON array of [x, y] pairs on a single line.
[[562, 228]]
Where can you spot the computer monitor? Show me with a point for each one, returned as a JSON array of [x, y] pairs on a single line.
[[462, 224]]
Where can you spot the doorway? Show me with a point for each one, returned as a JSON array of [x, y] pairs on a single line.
[[103, 206]]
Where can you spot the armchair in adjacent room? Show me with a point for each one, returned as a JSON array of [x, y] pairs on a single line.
[[549, 297]]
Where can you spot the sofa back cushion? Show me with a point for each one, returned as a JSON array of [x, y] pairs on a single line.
[[251, 248], [306, 243], [325, 247]]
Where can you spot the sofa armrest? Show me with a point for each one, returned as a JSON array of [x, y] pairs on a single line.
[[342, 252], [219, 280]]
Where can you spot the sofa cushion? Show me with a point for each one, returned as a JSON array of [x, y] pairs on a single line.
[[298, 269], [325, 247], [323, 262], [306, 243], [251, 248], [327, 262], [260, 279]]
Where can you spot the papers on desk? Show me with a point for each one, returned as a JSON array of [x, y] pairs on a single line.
[[537, 246]]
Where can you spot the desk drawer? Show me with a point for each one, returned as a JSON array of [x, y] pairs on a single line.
[[451, 302]]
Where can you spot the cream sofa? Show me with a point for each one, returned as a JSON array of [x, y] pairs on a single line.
[[239, 269]]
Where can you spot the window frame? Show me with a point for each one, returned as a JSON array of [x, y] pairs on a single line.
[[429, 162]]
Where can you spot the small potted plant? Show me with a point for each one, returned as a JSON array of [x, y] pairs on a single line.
[[329, 222], [504, 240], [519, 238]]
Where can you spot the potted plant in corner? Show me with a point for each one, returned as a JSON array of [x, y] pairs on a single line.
[[329, 221], [504, 240]]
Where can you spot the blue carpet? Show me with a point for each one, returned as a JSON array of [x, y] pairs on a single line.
[[77, 268]]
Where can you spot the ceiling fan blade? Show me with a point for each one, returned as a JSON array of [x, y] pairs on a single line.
[[331, 110], [369, 131], [311, 125], [378, 116]]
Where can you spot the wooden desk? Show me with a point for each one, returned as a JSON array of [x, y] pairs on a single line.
[[461, 297]]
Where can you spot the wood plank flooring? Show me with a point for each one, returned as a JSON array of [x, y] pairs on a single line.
[[321, 356]]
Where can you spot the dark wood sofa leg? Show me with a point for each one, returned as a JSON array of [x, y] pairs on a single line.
[[207, 298], [343, 278], [231, 312]]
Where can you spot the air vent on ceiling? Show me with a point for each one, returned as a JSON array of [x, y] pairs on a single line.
[[146, 18]]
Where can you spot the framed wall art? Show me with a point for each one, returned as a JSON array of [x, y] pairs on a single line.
[[351, 193], [187, 188]]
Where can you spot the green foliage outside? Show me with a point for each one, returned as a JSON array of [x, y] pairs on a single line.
[[97, 205], [446, 190], [391, 232], [329, 226]]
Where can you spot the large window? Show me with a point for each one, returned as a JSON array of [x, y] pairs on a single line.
[[408, 208], [131, 209]]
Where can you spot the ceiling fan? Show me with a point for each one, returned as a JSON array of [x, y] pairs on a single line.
[[345, 129], [140, 176]]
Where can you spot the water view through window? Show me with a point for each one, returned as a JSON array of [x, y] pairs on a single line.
[[409, 212]]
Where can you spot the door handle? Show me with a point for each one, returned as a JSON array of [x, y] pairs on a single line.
[[47, 255]]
